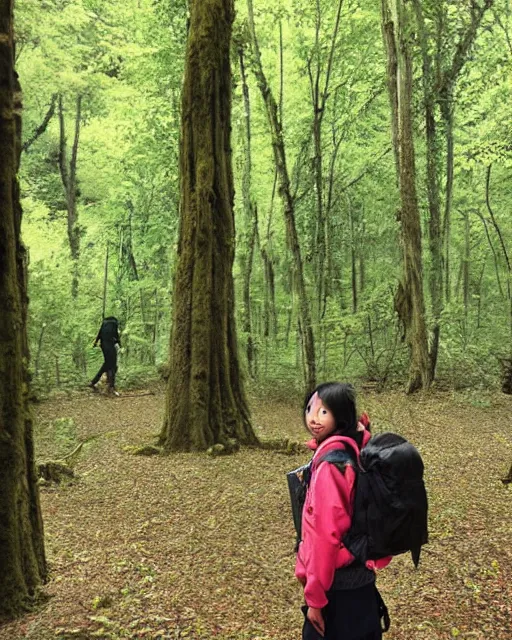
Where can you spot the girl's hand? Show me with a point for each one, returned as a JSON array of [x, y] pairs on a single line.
[[317, 620]]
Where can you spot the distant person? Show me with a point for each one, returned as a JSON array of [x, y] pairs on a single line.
[[342, 601], [108, 337]]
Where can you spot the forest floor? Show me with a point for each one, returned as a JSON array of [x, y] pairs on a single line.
[[189, 546]]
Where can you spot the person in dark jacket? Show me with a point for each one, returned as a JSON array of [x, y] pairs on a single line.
[[108, 337]]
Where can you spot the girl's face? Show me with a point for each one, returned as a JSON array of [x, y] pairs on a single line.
[[319, 419]]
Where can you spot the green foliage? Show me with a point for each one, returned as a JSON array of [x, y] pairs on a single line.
[[125, 58], [115, 56]]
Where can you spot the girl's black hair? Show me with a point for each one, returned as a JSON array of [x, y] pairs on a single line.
[[340, 399]]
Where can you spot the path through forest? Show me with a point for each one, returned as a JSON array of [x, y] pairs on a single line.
[[189, 546]]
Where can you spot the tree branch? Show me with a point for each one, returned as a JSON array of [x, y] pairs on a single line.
[[42, 127], [463, 47], [331, 56]]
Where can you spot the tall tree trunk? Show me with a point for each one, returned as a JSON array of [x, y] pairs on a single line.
[[319, 100], [503, 248], [105, 283], [205, 399], [435, 279], [465, 268], [289, 205], [353, 255], [389, 38], [22, 555], [447, 114], [363, 251], [251, 221], [270, 314], [409, 299], [438, 86], [68, 175]]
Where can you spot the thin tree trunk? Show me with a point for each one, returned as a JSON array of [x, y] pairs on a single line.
[[68, 175], [270, 326], [479, 309], [205, 399], [127, 246], [362, 254], [289, 207], [39, 349], [251, 221], [409, 300], [319, 101], [465, 269], [353, 270], [22, 556], [503, 247], [447, 113], [105, 282], [493, 251], [433, 190]]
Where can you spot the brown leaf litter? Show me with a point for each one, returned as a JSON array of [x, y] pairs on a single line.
[[190, 546]]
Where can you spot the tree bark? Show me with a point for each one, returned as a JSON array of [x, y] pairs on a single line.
[[251, 221], [389, 37], [68, 175], [289, 206], [409, 299], [205, 400], [22, 555], [435, 279]]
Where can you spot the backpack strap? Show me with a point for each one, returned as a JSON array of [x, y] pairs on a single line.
[[339, 458]]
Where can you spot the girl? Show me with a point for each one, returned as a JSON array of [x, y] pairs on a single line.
[[341, 597]]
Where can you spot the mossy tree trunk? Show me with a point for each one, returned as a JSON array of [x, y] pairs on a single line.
[[22, 559], [409, 300], [250, 223], [205, 401]]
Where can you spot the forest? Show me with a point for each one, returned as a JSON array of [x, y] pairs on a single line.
[[100, 186], [266, 195]]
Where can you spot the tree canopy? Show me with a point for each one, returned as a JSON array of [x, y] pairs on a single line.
[[102, 84]]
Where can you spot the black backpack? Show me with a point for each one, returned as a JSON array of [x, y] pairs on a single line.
[[390, 502], [109, 331]]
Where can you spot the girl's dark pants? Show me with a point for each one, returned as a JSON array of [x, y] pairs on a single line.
[[351, 614], [109, 365]]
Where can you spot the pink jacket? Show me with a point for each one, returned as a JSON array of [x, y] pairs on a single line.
[[326, 517]]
